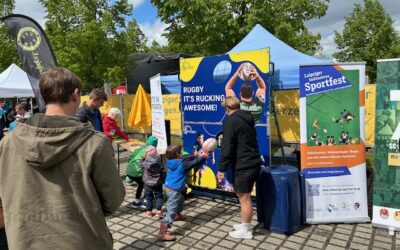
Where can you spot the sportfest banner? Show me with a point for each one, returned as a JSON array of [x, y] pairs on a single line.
[[206, 81], [332, 142], [33, 48], [386, 185]]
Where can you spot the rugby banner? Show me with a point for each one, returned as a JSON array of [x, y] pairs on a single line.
[[206, 81], [386, 191], [332, 142]]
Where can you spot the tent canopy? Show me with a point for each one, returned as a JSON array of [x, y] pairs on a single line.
[[170, 84], [286, 59], [14, 82]]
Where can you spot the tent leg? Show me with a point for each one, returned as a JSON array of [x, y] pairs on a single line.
[[277, 125]]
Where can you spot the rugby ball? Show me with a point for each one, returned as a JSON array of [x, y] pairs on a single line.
[[209, 145], [246, 76]]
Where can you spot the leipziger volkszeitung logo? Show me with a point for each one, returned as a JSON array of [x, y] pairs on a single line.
[[28, 39]]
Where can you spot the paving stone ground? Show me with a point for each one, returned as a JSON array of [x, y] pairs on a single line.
[[210, 220]]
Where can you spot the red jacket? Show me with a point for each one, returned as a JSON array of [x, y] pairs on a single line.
[[110, 124]]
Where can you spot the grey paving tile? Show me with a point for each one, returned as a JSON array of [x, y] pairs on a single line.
[[296, 239], [382, 245], [354, 245], [362, 235], [178, 246], [291, 245], [334, 247], [318, 238], [337, 242], [267, 246], [227, 243], [141, 244], [244, 247], [315, 244], [341, 236], [310, 248], [279, 236], [274, 241], [361, 241], [211, 239], [197, 235], [204, 245]]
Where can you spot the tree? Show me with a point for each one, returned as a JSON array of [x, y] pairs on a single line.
[[91, 38], [215, 26], [8, 52], [368, 35]]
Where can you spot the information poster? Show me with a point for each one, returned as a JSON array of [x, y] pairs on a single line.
[[332, 138], [157, 114], [206, 81], [386, 190]]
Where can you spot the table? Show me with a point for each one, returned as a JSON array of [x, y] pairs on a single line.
[[131, 146]]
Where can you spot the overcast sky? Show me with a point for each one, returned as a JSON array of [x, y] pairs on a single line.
[[152, 26]]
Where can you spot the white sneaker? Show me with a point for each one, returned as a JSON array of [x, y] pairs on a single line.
[[239, 226], [241, 234]]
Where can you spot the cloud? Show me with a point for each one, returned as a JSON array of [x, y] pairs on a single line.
[[136, 3], [32, 9], [153, 32], [328, 47]]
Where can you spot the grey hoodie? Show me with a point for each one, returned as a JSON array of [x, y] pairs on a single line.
[[57, 182]]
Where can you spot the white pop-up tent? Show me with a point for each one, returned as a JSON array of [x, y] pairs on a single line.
[[14, 82]]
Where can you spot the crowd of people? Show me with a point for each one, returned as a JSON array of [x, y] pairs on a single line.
[[58, 192]]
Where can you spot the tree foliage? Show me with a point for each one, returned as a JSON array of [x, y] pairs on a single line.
[[215, 26], [8, 52], [368, 35], [92, 39]]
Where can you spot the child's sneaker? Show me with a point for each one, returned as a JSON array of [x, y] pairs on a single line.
[[180, 217], [149, 214], [241, 234], [128, 180], [159, 214], [137, 203]]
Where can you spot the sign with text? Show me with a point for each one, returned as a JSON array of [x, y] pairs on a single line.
[[206, 81], [157, 113], [332, 142], [386, 190]]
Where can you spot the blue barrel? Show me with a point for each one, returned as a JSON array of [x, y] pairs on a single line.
[[279, 199]]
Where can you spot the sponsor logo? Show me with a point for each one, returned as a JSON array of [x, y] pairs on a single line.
[[346, 205], [186, 66], [28, 39], [397, 215], [187, 129], [331, 208], [357, 205], [384, 213]]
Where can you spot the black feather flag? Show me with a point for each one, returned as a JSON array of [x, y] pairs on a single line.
[[33, 48]]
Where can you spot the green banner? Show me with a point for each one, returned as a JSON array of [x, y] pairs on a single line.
[[386, 191]]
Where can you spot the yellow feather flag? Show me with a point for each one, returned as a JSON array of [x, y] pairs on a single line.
[[140, 114]]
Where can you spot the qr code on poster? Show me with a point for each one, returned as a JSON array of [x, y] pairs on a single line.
[[313, 190]]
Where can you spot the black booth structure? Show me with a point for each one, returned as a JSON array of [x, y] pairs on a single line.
[[147, 65]]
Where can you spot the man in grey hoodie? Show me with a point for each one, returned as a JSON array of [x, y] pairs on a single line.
[[58, 178]]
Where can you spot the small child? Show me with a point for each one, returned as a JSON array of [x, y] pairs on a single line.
[[178, 169], [153, 179]]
